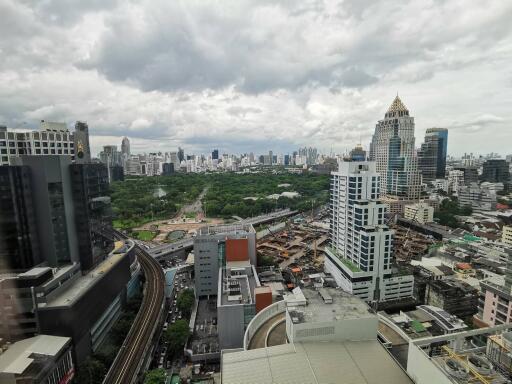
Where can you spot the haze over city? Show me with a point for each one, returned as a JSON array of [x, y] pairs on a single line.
[[248, 74]]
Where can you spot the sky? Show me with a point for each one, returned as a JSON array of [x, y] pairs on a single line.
[[258, 75]]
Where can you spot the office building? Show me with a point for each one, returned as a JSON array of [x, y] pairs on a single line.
[[19, 248], [432, 155], [420, 212], [110, 156], [42, 359], [215, 154], [167, 169], [455, 180], [54, 211], [470, 173], [181, 154], [125, 147], [394, 153], [213, 247], [361, 254], [480, 199], [357, 154], [50, 139], [496, 171], [93, 215]]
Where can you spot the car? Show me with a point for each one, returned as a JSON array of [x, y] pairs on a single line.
[[179, 316], [174, 302], [165, 326]]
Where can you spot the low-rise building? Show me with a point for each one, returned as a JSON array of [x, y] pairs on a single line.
[[454, 296], [40, 359], [420, 212]]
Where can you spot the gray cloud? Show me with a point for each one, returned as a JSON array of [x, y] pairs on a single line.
[[247, 73]]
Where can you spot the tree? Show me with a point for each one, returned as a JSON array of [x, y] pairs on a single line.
[[185, 302], [92, 371], [177, 336], [155, 376]]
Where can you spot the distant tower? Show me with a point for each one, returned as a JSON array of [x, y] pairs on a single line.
[[125, 147]]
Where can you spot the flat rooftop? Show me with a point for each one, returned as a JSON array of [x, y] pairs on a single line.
[[22, 354], [237, 289], [357, 362], [232, 229], [344, 306], [83, 283]]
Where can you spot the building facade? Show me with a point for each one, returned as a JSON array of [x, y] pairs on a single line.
[[361, 254], [506, 236], [19, 248], [93, 216], [432, 155], [419, 212], [496, 171], [50, 139]]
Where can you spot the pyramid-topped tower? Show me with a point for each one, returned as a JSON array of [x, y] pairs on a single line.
[[397, 109]]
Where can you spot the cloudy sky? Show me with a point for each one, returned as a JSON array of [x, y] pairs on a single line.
[[257, 75]]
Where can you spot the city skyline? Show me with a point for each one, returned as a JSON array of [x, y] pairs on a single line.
[[193, 87]]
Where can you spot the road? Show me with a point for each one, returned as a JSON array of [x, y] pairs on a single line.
[[126, 366], [167, 249]]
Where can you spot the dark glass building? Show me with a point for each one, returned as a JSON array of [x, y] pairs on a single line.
[[432, 155], [93, 214], [215, 154], [496, 171], [19, 245]]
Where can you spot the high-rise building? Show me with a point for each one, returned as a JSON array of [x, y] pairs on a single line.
[[19, 247], [110, 155], [361, 254], [496, 171], [215, 154], [50, 139], [125, 147], [432, 155], [393, 150], [358, 153], [93, 215], [54, 211], [181, 154]]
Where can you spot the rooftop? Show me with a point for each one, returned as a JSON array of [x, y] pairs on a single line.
[[226, 229], [22, 354], [397, 105], [316, 362], [237, 286], [329, 304], [82, 284]]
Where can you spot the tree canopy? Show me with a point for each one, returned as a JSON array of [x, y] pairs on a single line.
[[176, 336], [185, 302], [155, 376]]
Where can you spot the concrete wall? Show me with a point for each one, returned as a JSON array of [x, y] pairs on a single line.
[[344, 330], [421, 369]]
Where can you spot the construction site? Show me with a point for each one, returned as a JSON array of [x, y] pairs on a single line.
[[295, 245], [409, 244]]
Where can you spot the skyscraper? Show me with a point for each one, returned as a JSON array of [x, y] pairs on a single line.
[[432, 155], [125, 147], [215, 154], [361, 254], [393, 150], [181, 154]]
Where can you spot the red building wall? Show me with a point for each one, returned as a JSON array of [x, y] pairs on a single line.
[[237, 250]]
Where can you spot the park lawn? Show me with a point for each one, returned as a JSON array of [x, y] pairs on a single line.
[[145, 235]]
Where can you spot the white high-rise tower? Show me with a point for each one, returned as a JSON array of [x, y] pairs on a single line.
[[361, 254]]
